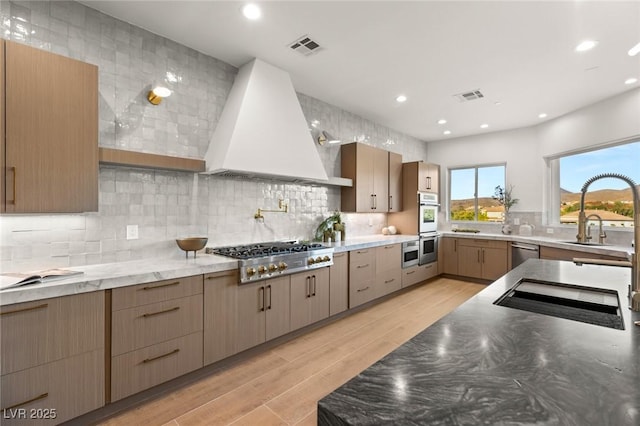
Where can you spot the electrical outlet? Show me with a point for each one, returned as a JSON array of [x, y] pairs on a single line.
[[549, 230], [132, 232], [370, 221], [516, 221]]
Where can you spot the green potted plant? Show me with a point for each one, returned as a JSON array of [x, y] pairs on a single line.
[[504, 197], [325, 230]]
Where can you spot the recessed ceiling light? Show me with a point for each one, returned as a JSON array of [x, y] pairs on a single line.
[[630, 80], [446, 132], [634, 50], [542, 115], [484, 126], [401, 98], [251, 11], [586, 45], [442, 121]]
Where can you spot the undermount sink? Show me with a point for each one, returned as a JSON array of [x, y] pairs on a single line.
[[584, 244], [585, 304]]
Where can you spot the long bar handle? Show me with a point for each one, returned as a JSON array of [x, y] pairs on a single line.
[[152, 314], [389, 281], [15, 177], [308, 283], [362, 289], [269, 289], [363, 266], [19, 404], [261, 289], [175, 351], [32, 308], [428, 182], [523, 247], [161, 285], [313, 278]]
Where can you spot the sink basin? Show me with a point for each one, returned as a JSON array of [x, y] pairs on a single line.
[[583, 244], [585, 304]]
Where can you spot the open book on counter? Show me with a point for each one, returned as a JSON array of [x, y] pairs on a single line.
[[17, 279]]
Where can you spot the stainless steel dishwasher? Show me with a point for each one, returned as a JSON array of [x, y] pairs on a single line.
[[523, 251]]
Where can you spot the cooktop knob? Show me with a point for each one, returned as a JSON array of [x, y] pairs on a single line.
[[251, 271], [326, 258], [272, 267], [282, 266], [311, 261], [318, 259], [262, 269]]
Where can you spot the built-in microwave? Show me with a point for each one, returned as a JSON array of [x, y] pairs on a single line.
[[410, 253]]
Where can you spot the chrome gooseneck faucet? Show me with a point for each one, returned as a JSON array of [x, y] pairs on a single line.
[[634, 264]]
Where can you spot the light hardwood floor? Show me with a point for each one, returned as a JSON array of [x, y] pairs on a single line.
[[281, 386]]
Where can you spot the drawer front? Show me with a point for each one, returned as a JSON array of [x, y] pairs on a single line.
[[468, 242], [150, 366], [55, 392], [388, 257], [147, 325], [43, 331], [388, 282], [362, 266], [429, 270], [361, 293], [411, 276], [360, 257], [143, 294]]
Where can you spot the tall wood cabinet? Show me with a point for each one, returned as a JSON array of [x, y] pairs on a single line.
[[53, 357], [50, 132], [368, 167], [309, 297], [388, 269], [395, 182], [220, 320], [339, 283], [362, 276]]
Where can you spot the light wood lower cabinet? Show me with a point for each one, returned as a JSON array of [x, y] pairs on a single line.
[[339, 283], [448, 255], [220, 320], [309, 297], [138, 370], [362, 271], [52, 357], [419, 273], [388, 269], [484, 259], [156, 333], [264, 310]]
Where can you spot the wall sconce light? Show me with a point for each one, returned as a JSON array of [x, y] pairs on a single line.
[[156, 95], [325, 137]]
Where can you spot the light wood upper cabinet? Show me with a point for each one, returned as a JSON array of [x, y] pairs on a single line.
[[339, 283], [395, 182], [309, 297], [51, 132], [368, 167], [428, 177]]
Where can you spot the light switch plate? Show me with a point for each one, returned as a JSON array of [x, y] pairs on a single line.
[[549, 230], [516, 221], [132, 232]]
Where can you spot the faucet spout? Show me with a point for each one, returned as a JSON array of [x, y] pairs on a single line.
[[583, 235], [601, 234]]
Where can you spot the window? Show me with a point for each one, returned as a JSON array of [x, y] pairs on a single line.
[[472, 191], [609, 198]]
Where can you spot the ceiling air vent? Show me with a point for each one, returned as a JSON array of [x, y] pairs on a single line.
[[469, 96], [305, 45]]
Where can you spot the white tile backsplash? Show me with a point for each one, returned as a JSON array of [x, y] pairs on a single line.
[[166, 205]]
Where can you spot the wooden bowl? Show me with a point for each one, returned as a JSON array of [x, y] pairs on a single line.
[[192, 244]]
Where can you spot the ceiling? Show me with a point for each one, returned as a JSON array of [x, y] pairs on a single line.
[[520, 55]]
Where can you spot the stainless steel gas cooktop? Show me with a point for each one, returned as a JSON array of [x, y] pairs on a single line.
[[271, 259]]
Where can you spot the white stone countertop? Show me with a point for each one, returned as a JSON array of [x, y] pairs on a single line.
[[121, 274]]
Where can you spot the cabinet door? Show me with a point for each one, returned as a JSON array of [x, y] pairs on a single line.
[[3, 198], [380, 181], [250, 317], [428, 177], [469, 261], [220, 321], [449, 247], [300, 300], [395, 182], [51, 132], [365, 191], [277, 306], [319, 307], [339, 283], [362, 264], [494, 263]]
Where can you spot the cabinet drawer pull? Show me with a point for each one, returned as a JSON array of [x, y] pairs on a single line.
[[362, 251], [388, 247], [390, 281], [428, 182], [313, 281], [366, 265], [19, 404], [362, 289], [261, 298], [428, 266], [269, 289], [32, 308], [308, 281], [175, 351], [411, 272], [160, 312], [161, 285]]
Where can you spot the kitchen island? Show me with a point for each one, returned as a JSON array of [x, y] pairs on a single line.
[[489, 364]]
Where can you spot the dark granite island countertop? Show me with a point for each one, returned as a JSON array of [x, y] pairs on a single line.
[[489, 364]]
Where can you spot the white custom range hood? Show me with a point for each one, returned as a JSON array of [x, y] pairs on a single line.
[[262, 131]]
